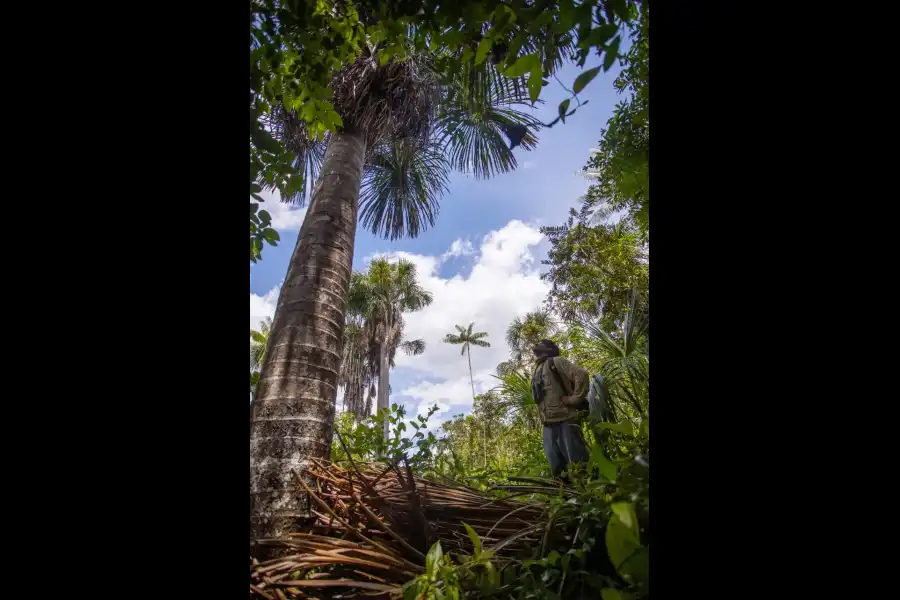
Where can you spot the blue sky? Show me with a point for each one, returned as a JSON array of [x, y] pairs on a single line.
[[481, 260]]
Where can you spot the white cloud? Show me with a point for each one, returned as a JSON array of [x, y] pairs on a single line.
[[529, 164], [285, 217], [504, 283], [263, 306], [459, 247]]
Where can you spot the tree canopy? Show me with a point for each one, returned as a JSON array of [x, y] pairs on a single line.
[[297, 48]]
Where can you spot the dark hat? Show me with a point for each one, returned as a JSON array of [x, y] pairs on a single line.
[[549, 345]]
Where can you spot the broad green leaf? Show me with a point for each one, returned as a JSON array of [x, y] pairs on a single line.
[[264, 217], [411, 590], [563, 107], [534, 85], [253, 207], [254, 188], [553, 557], [309, 111], [625, 513], [524, 64], [612, 53], [611, 594], [484, 46], [433, 560], [622, 537], [584, 79], [608, 469], [271, 236], [476, 541], [598, 36], [623, 427]]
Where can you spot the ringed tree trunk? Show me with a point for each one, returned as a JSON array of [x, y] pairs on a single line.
[[295, 400]]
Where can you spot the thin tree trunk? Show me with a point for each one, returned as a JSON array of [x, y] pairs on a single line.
[[384, 373], [471, 380], [295, 400]]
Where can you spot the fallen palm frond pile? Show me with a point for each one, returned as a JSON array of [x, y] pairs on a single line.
[[375, 523]]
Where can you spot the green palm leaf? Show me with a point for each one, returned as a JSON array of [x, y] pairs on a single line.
[[401, 188]]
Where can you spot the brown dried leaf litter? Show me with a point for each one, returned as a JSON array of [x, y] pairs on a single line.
[[375, 523]]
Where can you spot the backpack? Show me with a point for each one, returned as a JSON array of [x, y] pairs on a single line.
[[597, 397]]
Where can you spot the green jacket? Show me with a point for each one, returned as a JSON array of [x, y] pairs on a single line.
[[575, 380]]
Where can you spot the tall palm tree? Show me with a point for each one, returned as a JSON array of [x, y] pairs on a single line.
[[383, 293], [386, 110], [467, 338]]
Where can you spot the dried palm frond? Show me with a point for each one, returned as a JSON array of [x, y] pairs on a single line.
[[375, 523], [395, 100]]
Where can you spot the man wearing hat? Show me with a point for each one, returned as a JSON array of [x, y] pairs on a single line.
[[560, 390]]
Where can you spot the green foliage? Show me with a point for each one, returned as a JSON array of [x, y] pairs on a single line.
[[593, 270], [498, 439], [622, 166], [365, 441], [596, 543], [296, 49]]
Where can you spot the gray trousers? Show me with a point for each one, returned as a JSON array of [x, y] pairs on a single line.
[[564, 444]]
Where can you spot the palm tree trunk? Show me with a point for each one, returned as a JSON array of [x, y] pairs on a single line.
[[471, 380], [295, 400], [384, 373]]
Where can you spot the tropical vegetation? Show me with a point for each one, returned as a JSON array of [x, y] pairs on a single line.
[[360, 111]]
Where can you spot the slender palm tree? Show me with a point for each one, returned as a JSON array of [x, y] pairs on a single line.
[[356, 372], [383, 293], [396, 111], [467, 338], [360, 365]]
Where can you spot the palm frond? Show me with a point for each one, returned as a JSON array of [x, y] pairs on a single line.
[[478, 108], [309, 153], [401, 188], [480, 343], [413, 347], [514, 390]]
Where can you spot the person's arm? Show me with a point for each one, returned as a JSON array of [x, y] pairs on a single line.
[[579, 378]]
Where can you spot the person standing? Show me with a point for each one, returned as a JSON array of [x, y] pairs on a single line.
[[560, 389]]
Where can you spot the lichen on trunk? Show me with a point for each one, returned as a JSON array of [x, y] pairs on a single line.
[[295, 401]]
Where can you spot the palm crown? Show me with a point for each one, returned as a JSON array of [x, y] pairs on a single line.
[[468, 338], [419, 124]]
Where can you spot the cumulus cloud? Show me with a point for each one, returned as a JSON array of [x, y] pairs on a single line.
[[263, 306], [459, 248], [504, 283], [285, 217]]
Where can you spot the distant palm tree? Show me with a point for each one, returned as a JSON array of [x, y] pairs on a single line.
[[523, 333], [258, 341], [467, 339], [382, 294]]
